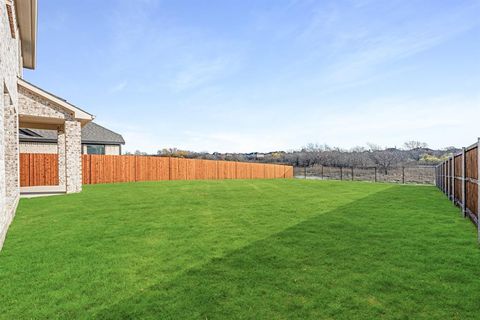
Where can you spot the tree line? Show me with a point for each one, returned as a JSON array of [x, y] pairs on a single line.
[[372, 155]]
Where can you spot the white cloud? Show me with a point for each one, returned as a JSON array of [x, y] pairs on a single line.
[[356, 47], [392, 121], [196, 74], [118, 87]]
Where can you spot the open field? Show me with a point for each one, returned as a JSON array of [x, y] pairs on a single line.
[[241, 249], [413, 174]]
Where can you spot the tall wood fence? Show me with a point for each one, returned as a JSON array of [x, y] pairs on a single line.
[[111, 169], [38, 169], [458, 178]]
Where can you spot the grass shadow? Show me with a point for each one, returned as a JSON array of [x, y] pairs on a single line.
[[399, 253]]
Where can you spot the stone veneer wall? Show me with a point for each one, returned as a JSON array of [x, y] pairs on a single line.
[[73, 156], [12, 179], [10, 70], [62, 178]]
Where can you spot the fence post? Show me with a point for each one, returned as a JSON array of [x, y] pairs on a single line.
[[375, 174], [464, 184], [438, 176], [322, 171], [305, 172], [341, 173], [441, 177], [403, 175], [445, 177], [352, 173], [453, 179], [449, 178], [447, 174], [444, 165], [439, 181], [452, 187]]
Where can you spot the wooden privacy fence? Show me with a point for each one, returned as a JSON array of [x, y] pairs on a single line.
[[38, 169], [111, 169], [458, 178]]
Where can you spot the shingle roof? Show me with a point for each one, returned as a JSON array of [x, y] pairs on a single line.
[[91, 133]]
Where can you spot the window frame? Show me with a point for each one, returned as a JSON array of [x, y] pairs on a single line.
[[90, 146]]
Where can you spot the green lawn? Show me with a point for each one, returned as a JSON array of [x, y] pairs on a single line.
[[258, 249]]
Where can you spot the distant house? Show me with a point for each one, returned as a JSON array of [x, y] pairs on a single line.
[[255, 156], [95, 140]]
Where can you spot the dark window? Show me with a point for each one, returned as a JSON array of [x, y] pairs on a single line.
[[95, 149]]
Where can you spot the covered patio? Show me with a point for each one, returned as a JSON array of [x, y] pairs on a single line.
[[39, 109]]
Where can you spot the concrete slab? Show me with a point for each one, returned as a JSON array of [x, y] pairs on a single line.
[[41, 191]]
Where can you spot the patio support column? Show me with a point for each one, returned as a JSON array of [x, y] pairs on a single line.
[[73, 156], [62, 170]]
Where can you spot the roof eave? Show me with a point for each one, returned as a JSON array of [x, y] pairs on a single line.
[[82, 116], [39, 140], [26, 11], [112, 143]]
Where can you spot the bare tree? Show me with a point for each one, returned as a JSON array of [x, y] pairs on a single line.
[[412, 145], [374, 147], [386, 159]]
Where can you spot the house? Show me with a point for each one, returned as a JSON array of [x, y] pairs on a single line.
[[95, 140], [18, 29], [27, 106]]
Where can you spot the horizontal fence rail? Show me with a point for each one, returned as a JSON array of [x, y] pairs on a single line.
[[458, 178], [111, 169], [410, 174]]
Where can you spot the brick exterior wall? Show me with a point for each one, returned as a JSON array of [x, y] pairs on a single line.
[[38, 147], [112, 150], [10, 70], [51, 148], [32, 104]]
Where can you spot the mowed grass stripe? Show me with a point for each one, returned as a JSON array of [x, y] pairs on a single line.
[[240, 249]]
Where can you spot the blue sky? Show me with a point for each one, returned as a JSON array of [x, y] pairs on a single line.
[[244, 75]]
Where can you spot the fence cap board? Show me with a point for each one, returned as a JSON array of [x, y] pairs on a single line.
[[473, 146]]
